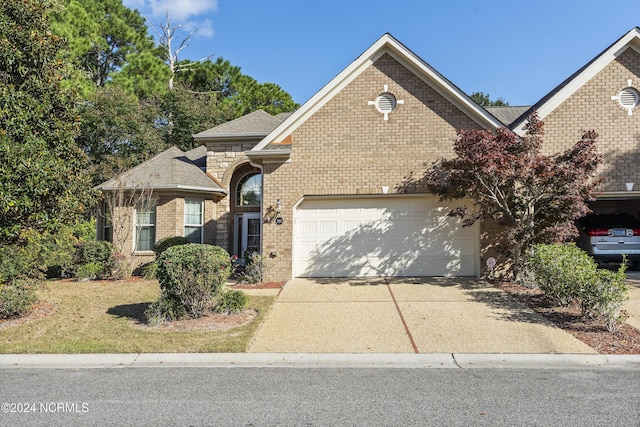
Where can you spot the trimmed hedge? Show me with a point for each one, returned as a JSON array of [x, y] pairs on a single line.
[[167, 242], [191, 276], [567, 274]]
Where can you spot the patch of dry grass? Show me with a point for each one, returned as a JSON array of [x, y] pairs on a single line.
[[105, 316]]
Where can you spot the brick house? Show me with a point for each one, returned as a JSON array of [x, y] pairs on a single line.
[[323, 191]]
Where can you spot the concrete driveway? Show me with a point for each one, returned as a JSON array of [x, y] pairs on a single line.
[[632, 306], [405, 315]]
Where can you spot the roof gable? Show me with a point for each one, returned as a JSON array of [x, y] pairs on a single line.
[[256, 124], [172, 169], [387, 44], [564, 90], [507, 113]]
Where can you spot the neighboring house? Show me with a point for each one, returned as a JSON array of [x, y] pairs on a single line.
[[324, 191]]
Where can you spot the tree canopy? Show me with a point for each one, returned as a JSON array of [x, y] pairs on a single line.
[[42, 170], [535, 197], [484, 99], [130, 111]]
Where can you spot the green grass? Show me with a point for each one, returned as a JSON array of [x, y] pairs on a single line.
[[104, 317]]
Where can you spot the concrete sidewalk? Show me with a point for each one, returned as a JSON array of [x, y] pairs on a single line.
[[399, 315]]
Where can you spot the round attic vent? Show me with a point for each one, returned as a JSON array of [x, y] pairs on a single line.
[[629, 98], [386, 103]]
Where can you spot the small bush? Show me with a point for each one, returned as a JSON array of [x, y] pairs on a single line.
[[232, 301], [97, 252], [561, 270], [256, 268], [168, 242], [605, 296], [91, 271], [193, 275], [17, 299], [149, 270], [567, 274], [165, 310], [121, 268], [13, 264]]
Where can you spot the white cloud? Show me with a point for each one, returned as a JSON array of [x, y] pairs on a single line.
[[181, 10], [190, 14], [204, 28]]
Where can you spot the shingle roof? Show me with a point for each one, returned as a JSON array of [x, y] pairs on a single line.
[[172, 169], [258, 123], [198, 156], [507, 114]]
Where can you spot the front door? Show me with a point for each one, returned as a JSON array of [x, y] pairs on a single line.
[[248, 235]]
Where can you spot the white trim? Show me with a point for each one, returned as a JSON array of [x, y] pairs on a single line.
[[629, 41], [135, 230], [242, 177], [184, 217], [619, 195], [239, 239]]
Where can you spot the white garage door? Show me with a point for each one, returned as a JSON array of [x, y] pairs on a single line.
[[382, 236]]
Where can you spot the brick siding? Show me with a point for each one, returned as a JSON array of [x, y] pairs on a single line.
[[591, 108], [347, 148]]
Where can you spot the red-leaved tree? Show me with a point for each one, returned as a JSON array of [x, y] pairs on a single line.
[[537, 198]]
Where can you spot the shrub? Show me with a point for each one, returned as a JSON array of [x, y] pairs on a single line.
[[149, 270], [165, 310], [90, 271], [567, 274], [561, 270], [168, 242], [97, 252], [256, 268], [231, 301], [605, 296], [193, 275], [13, 264], [17, 299], [121, 267]]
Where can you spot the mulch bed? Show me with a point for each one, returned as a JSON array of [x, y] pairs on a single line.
[[594, 333]]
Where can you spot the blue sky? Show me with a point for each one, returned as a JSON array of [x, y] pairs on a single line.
[[516, 50]]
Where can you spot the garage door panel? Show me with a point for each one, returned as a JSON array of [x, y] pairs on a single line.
[[307, 227], [327, 227], [393, 236]]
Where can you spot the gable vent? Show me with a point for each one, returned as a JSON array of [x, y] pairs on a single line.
[[386, 103], [629, 98]]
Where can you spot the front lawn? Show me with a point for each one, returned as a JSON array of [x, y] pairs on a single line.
[[105, 317]]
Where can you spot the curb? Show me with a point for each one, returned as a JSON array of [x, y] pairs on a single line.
[[316, 360]]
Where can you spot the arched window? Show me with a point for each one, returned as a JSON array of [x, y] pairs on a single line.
[[249, 191]]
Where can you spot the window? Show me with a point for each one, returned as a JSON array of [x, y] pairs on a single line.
[[145, 229], [249, 192], [106, 223], [193, 220]]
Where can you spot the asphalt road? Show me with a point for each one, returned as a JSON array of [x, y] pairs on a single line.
[[319, 396]]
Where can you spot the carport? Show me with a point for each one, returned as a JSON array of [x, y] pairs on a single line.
[[617, 202]]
